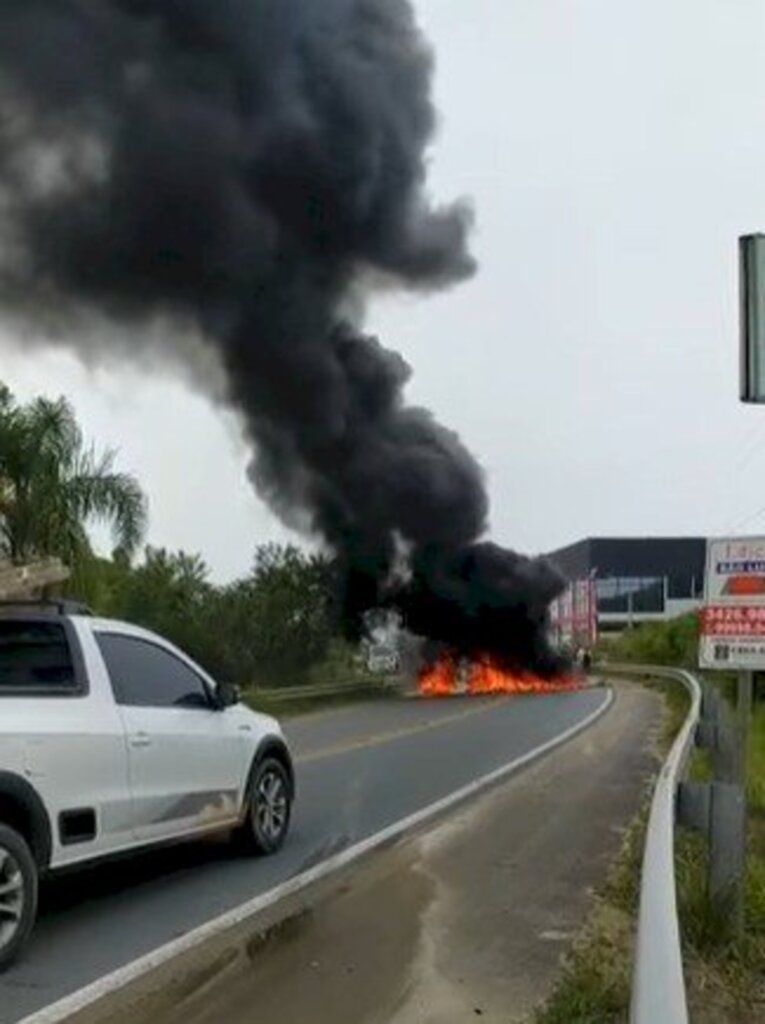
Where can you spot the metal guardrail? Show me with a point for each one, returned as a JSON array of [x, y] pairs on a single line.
[[658, 985], [288, 693]]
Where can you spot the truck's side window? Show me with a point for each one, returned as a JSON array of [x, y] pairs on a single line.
[[35, 657], [145, 675]]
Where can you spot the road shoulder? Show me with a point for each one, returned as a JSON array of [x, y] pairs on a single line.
[[470, 919]]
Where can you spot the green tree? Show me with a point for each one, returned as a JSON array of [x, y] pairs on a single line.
[[52, 486], [169, 592], [272, 628], [277, 622]]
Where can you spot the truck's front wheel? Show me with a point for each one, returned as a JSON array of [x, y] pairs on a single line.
[[18, 894]]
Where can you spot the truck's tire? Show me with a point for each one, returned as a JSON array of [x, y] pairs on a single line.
[[268, 808], [18, 894]]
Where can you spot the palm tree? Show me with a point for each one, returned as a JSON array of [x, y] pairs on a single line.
[[52, 485]]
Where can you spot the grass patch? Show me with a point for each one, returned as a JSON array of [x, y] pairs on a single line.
[[677, 701], [596, 983], [595, 988], [622, 888]]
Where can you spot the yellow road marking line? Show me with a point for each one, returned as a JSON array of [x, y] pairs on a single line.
[[378, 739]]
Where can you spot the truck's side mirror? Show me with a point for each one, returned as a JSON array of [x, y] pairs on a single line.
[[228, 695]]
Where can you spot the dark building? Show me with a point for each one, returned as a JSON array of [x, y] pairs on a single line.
[[638, 579]]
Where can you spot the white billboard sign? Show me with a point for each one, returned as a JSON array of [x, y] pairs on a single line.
[[732, 627]]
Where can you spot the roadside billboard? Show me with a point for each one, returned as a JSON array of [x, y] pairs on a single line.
[[732, 623]]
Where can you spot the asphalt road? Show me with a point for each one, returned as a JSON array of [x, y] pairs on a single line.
[[359, 769]]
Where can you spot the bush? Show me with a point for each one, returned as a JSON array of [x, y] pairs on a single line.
[[659, 643]]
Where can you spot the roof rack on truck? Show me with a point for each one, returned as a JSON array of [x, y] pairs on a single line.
[[56, 606]]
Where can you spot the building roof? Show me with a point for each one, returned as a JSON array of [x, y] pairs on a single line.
[[632, 557]]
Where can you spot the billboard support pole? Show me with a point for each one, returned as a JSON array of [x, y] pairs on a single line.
[[745, 686], [727, 844], [737, 826], [745, 689]]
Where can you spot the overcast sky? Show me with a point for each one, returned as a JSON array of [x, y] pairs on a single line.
[[614, 152]]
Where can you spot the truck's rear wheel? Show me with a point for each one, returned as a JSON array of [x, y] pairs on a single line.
[[18, 894], [268, 810]]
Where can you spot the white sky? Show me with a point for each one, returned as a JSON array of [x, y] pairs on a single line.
[[614, 152]]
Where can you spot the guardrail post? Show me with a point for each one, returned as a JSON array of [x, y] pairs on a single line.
[[694, 806], [727, 843]]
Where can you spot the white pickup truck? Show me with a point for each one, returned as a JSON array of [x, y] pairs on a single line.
[[112, 740]]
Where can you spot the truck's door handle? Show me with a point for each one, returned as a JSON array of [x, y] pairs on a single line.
[[140, 739]]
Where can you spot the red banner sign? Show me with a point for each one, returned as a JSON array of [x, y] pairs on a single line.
[[722, 620]]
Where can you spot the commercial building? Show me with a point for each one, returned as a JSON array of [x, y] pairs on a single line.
[[637, 579]]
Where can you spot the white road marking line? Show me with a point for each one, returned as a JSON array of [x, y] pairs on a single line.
[[86, 997]]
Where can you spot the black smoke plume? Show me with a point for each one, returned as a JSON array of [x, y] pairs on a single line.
[[254, 168]]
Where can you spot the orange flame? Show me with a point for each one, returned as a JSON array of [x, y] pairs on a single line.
[[485, 678], [439, 680]]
